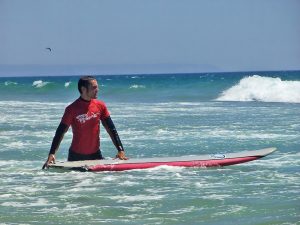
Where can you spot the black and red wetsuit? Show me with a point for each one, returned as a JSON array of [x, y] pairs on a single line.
[[84, 117]]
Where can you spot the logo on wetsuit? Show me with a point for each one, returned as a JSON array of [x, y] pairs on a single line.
[[85, 117]]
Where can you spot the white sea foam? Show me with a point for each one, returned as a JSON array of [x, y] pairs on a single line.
[[265, 89], [14, 145], [6, 196], [128, 183], [221, 133], [216, 196], [32, 104], [136, 198], [109, 178], [26, 189], [67, 84], [231, 210], [84, 183], [14, 162], [183, 210], [135, 86], [39, 83], [7, 83], [83, 189], [203, 185], [167, 168], [39, 202]]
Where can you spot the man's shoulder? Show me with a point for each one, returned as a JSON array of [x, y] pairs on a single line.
[[99, 102], [73, 105]]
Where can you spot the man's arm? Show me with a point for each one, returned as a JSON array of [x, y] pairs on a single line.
[[112, 131], [59, 134]]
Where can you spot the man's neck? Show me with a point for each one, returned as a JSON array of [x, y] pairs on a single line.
[[86, 99]]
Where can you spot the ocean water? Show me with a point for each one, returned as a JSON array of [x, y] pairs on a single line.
[[156, 115]]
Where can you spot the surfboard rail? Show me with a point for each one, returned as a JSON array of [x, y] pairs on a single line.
[[208, 160]]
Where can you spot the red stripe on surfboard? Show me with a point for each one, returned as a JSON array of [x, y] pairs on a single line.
[[195, 163]]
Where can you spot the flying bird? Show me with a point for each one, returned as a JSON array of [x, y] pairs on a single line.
[[49, 49]]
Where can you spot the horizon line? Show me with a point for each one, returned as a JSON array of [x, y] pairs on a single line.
[[149, 74]]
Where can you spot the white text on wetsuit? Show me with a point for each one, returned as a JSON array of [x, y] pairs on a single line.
[[84, 117]]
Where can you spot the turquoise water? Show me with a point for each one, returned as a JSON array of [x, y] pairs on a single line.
[[156, 115]]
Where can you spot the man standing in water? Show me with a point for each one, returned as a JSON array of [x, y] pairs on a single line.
[[84, 115]]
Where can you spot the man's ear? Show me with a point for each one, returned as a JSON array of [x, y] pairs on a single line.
[[83, 90]]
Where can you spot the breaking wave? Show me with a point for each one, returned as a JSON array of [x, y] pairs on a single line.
[[39, 83], [67, 84], [7, 83], [265, 89], [135, 86]]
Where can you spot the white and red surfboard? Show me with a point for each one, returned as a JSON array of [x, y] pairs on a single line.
[[213, 160]]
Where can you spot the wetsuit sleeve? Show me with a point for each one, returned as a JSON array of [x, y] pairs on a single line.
[[112, 131], [59, 134]]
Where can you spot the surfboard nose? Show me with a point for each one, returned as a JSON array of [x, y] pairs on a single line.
[[270, 150]]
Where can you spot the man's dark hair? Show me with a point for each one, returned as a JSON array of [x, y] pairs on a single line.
[[84, 82]]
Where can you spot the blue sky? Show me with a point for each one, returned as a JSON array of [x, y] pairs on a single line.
[[148, 36]]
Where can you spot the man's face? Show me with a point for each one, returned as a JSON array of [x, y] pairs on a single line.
[[93, 89]]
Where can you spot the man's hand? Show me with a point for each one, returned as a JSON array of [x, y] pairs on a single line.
[[50, 160], [121, 155]]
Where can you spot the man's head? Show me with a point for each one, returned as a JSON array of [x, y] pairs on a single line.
[[88, 87]]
